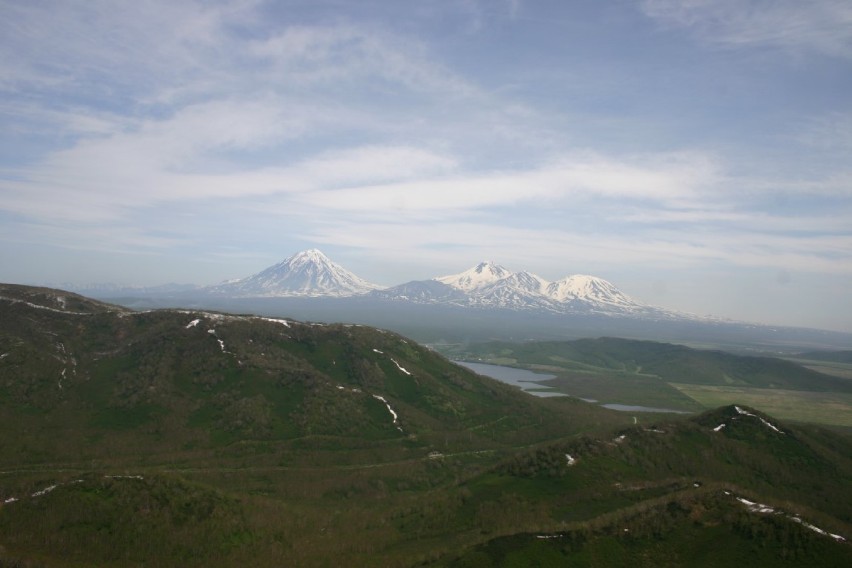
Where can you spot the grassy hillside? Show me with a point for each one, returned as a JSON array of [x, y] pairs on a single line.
[[177, 437], [672, 494], [180, 381], [686, 530]]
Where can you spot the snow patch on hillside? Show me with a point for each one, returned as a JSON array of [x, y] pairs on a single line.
[[391, 410], [755, 507], [285, 323], [766, 423], [40, 307], [400, 367]]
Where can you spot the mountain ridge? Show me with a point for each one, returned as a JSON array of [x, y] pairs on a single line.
[[588, 301]]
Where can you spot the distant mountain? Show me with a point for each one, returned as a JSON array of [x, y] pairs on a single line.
[[311, 274], [486, 285], [308, 273], [489, 285], [521, 290], [423, 292], [480, 276], [589, 288]]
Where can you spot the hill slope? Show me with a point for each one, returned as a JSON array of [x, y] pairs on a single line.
[[192, 438], [677, 493], [172, 379]]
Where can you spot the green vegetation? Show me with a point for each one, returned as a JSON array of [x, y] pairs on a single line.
[[181, 438], [695, 530], [662, 375]]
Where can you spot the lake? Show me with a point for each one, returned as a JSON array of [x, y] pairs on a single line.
[[527, 381], [633, 408]]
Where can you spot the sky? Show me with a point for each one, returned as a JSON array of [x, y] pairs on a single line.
[[695, 153]]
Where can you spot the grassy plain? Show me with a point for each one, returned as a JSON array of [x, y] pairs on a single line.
[[842, 370], [829, 408], [624, 388]]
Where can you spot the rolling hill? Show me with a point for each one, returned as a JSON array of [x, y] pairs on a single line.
[[194, 438]]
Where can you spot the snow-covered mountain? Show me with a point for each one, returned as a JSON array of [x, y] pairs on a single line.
[[589, 288], [479, 276], [308, 273], [520, 290], [424, 292], [488, 285]]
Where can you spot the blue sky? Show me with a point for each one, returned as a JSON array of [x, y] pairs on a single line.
[[696, 153]]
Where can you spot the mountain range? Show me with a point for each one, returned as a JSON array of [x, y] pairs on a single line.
[[485, 302], [487, 285]]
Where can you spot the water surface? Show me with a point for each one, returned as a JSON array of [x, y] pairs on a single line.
[[634, 408], [527, 381]]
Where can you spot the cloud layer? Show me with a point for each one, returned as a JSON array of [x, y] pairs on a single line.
[[219, 136]]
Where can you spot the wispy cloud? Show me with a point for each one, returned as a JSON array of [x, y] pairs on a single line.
[[655, 178], [432, 133], [559, 252], [823, 26]]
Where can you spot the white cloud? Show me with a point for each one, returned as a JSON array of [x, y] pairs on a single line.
[[465, 243], [823, 26], [669, 178], [249, 127]]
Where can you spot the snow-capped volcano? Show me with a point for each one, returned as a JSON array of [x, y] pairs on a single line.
[[522, 290], [308, 273], [491, 285], [479, 276], [487, 285], [588, 288]]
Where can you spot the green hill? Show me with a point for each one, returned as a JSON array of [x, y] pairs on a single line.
[[179, 437], [172, 381], [695, 530], [676, 494]]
